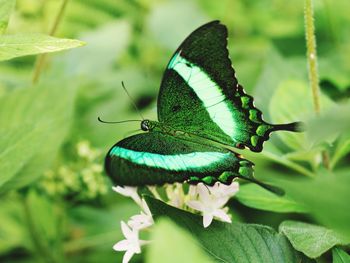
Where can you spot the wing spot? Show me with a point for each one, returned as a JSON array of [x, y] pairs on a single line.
[[176, 108]]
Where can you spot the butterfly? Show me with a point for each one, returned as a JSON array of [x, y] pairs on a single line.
[[203, 114]]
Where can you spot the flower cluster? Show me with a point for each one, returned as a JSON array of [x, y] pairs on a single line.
[[80, 179], [132, 244], [209, 201]]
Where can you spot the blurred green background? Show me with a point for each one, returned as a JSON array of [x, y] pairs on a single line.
[[53, 174]]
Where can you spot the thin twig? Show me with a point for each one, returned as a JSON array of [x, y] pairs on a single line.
[[40, 61]]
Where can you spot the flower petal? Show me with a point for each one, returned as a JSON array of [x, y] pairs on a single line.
[[220, 201], [128, 191], [127, 256], [122, 245], [197, 205], [222, 190], [127, 232], [207, 219], [219, 213], [192, 192], [141, 221], [145, 208], [203, 192]]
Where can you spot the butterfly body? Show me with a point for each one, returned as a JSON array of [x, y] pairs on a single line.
[[203, 112]]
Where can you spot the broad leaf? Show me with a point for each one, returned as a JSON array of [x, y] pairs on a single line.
[[292, 101], [34, 122], [310, 239], [340, 256], [12, 228], [6, 7], [326, 198], [169, 239], [234, 242], [15, 150], [338, 123], [99, 56], [257, 197], [12, 46], [276, 70]]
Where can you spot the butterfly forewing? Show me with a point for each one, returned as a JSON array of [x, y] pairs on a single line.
[[200, 94]]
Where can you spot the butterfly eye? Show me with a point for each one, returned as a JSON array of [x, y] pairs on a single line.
[[145, 125]]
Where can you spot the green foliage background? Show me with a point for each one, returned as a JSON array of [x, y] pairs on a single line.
[[56, 203]]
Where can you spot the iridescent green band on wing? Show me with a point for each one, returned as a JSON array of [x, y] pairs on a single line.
[[156, 158], [195, 161]]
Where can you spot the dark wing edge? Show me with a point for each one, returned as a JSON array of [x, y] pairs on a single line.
[[219, 67], [126, 172], [261, 130], [221, 71]]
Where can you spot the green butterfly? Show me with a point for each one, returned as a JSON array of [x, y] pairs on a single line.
[[203, 113]]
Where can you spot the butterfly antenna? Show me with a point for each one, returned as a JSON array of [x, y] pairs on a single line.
[[110, 122], [132, 101]]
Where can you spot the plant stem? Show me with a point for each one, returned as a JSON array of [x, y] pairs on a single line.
[[40, 61], [312, 64], [41, 248], [311, 54], [59, 208]]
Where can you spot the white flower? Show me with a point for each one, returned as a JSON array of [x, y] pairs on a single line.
[[132, 244], [129, 191], [220, 190], [175, 195], [211, 205], [143, 220], [192, 192]]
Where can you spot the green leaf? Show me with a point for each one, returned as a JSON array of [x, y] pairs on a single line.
[[234, 242], [310, 239], [276, 70], [99, 56], [326, 197], [6, 7], [12, 228], [12, 46], [292, 101], [338, 123], [165, 15], [257, 197], [343, 148], [169, 239], [340, 256], [15, 149], [34, 122], [274, 154]]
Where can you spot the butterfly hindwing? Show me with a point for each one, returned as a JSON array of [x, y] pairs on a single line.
[[200, 94], [156, 158]]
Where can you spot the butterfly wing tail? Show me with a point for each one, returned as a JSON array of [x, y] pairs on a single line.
[[293, 127]]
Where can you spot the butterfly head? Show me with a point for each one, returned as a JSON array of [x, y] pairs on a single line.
[[147, 125]]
